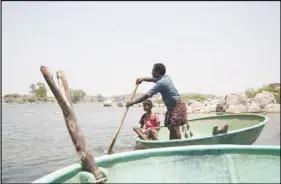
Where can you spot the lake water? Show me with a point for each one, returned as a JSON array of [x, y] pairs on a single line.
[[35, 140]]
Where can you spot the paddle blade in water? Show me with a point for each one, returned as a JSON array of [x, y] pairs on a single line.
[[110, 152]]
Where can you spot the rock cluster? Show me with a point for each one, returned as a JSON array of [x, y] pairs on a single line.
[[236, 103]]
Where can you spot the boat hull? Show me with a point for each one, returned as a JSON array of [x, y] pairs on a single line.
[[107, 103], [206, 158], [120, 104], [244, 136]]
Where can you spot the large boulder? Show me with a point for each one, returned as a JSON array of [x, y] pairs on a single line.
[[250, 100], [191, 102], [213, 102], [271, 108], [208, 109], [236, 99], [276, 86], [231, 101], [236, 109], [189, 110], [221, 107], [253, 108], [221, 99], [264, 98], [195, 105]]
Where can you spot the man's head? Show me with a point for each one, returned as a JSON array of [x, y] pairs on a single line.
[[147, 105], [158, 70]]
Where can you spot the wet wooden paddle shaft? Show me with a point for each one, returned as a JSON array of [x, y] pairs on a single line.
[[122, 120], [71, 121]]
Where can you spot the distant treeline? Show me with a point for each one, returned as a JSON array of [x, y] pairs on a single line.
[[38, 94]]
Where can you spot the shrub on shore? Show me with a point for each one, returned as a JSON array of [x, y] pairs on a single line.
[[186, 98], [22, 99], [197, 97], [251, 93]]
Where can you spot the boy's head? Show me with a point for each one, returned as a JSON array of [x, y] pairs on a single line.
[[147, 105], [158, 70]]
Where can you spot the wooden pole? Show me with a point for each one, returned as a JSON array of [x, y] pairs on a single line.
[[122, 120], [71, 121], [63, 88]]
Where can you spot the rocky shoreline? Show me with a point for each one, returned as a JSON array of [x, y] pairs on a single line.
[[235, 103], [263, 100]]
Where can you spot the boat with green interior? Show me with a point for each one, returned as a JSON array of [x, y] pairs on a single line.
[[242, 129], [186, 164]]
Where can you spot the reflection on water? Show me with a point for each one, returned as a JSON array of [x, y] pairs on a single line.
[[35, 140]]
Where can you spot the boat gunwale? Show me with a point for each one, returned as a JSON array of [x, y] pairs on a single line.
[[142, 154], [265, 121]]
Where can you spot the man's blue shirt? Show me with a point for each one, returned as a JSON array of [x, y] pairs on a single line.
[[166, 88]]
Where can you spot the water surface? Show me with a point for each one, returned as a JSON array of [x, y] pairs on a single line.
[[35, 140]]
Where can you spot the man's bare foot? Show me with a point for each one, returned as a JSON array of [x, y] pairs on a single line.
[[188, 134]]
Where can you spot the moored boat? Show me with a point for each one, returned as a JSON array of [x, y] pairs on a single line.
[[120, 104], [188, 164], [107, 103], [243, 129]]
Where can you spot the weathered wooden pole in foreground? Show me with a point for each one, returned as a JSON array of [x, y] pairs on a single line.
[[64, 88], [71, 121]]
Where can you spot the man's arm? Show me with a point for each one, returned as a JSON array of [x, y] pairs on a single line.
[[148, 79], [157, 88]]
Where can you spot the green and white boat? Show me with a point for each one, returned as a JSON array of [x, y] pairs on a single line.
[[243, 129], [187, 164]]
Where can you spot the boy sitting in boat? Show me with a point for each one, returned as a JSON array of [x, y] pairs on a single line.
[[151, 122]]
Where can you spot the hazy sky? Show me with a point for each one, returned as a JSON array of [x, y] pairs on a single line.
[[102, 47]]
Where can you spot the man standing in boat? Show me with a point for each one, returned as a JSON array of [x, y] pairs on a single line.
[[176, 114]]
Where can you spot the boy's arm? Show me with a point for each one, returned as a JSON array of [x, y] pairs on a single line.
[[141, 122], [156, 128]]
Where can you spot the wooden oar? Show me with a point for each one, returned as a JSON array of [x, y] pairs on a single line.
[[123, 118]]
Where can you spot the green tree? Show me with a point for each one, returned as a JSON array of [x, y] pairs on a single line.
[[197, 97], [39, 90], [12, 96], [251, 93], [33, 88], [100, 98], [77, 95]]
